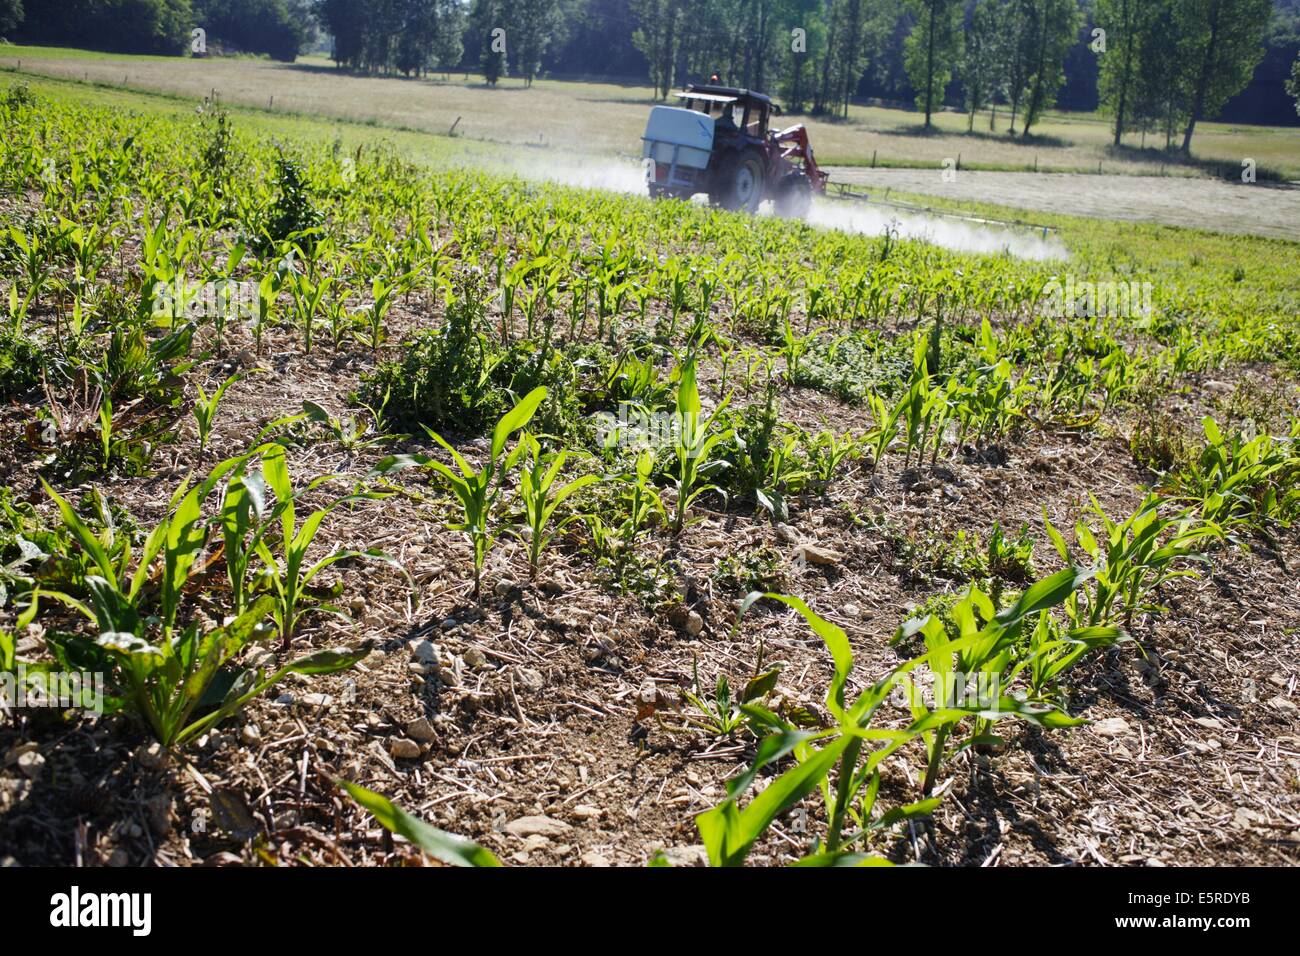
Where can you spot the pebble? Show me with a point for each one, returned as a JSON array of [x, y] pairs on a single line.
[[695, 855], [403, 749], [503, 587], [421, 730], [17, 750], [317, 701], [31, 765], [585, 811], [529, 679], [1245, 818], [474, 659], [424, 652], [591, 858], [159, 812], [694, 624], [151, 756], [538, 826], [815, 555], [1111, 727]]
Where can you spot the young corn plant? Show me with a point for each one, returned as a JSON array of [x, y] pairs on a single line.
[[289, 575], [268, 289], [638, 503], [695, 440], [794, 347], [476, 489], [352, 433], [1132, 558], [1243, 481], [827, 454], [171, 685], [307, 298], [537, 478], [168, 674], [1052, 651], [382, 296], [843, 761], [884, 429], [205, 410], [724, 715]]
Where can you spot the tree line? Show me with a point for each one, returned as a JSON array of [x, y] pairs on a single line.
[[278, 28], [1155, 66]]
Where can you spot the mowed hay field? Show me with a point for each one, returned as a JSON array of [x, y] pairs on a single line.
[[462, 488], [606, 118]]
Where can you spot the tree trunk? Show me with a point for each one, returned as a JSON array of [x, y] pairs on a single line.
[[1203, 79], [1125, 75], [929, 67], [1036, 95], [824, 96]]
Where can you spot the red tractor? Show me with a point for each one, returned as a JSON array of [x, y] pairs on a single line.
[[718, 142]]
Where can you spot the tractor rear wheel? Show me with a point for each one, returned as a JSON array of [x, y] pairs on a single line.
[[794, 196], [739, 182]]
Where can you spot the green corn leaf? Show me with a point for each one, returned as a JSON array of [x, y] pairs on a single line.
[[442, 846]]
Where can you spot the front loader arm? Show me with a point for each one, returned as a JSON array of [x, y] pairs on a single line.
[[795, 144]]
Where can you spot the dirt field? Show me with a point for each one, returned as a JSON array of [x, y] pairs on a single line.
[[1261, 209], [512, 717], [533, 750]]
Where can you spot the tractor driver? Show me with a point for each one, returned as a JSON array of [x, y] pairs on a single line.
[[728, 120]]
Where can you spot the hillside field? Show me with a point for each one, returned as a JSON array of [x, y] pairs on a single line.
[[387, 492]]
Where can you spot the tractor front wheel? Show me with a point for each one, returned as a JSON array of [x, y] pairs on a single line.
[[794, 197], [739, 182]]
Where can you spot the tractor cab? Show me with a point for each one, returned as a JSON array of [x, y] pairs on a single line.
[[719, 141], [738, 114]]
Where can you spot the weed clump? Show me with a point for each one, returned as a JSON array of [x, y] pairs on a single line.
[[20, 364], [294, 213]]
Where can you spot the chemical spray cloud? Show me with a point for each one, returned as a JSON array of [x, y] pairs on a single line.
[[868, 220], [625, 176]]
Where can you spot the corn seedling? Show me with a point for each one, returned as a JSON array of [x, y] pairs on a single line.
[[289, 575], [537, 477], [205, 410], [476, 489], [1132, 558], [1245, 481], [696, 437], [843, 761]]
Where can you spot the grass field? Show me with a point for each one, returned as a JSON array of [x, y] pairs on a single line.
[[340, 453], [604, 118]]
